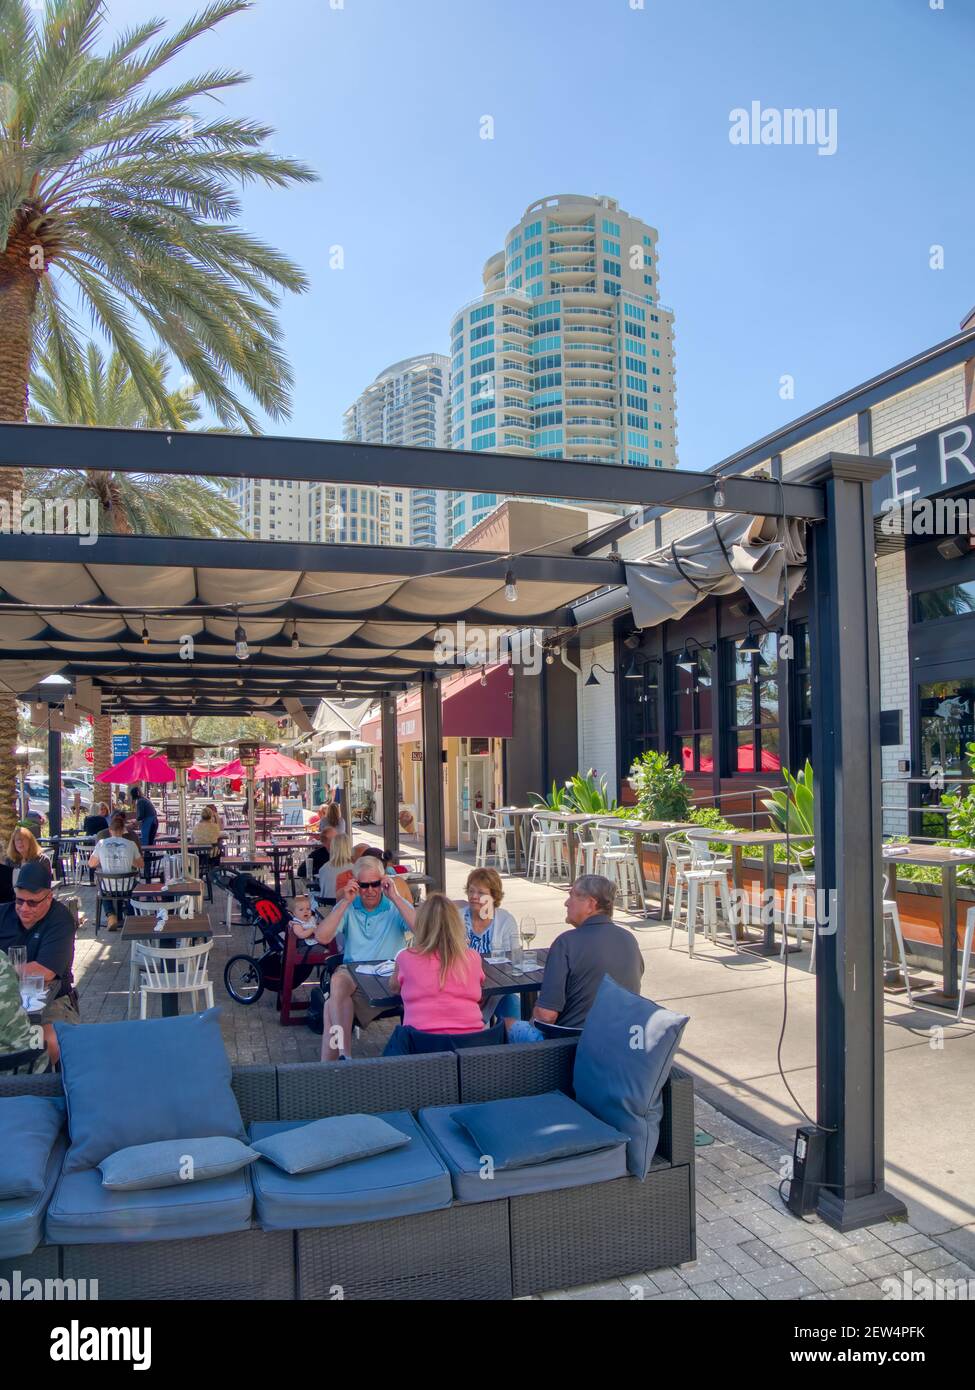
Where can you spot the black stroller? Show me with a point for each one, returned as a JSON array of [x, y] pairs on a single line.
[[246, 977]]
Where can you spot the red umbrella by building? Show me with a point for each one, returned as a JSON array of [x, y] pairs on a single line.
[[270, 763], [143, 766]]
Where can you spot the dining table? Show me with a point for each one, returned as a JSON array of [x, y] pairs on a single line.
[[766, 840], [655, 829], [949, 861], [517, 815], [500, 977]]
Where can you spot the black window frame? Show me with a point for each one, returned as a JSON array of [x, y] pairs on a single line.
[[732, 725]]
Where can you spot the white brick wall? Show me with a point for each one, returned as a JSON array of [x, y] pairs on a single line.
[[927, 407], [840, 439], [895, 690], [598, 721]]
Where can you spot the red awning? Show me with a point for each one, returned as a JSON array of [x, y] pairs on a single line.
[[469, 709]]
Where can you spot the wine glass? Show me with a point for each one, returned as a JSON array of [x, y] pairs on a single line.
[[527, 932]]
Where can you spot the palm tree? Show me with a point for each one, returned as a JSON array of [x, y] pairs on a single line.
[[114, 199], [128, 503]]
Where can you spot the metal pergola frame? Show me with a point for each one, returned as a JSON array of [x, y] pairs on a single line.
[[834, 494]]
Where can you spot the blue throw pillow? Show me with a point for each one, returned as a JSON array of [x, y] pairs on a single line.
[[142, 1081], [29, 1126], [524, 1130], [174, 1161], [622, 1062], [327, 1143]]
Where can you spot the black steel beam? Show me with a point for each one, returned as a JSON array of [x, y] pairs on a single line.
[[434, 823], [54, 782], [197, 454], [846, 756], [390, 772]]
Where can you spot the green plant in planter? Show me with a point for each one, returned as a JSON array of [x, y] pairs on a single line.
[[557, 799], [589, 796], [711, 817], [793, 807], [661, 791], [961, 809]]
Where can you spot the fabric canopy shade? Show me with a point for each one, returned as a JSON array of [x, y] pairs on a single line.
[[143, 766], [735, 552], [270, 763]]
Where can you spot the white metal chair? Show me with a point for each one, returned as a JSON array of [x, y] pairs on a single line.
[[618, 862], [175, 970], [176, 866], [705, 879], [490, 833], [547, 857], [182, 907]]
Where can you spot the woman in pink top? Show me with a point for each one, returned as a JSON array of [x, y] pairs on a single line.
[[439, 977]]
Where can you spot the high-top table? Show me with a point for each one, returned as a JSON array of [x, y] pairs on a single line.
[[939, 857], [572, 820], [518, 815], [498, 979], [656, 829], [766, 840]]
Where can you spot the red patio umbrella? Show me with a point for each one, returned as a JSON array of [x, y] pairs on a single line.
[[270, 763], [143, 766]]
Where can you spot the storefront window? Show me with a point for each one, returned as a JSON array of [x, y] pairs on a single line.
[[946, 711], [752, 706], [953, 601], [639, 714], [802, 694], [691, 743]]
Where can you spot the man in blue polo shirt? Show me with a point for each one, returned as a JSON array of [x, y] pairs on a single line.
[[374, 920]]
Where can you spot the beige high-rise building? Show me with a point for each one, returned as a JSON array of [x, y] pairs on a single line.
[[568, 352]]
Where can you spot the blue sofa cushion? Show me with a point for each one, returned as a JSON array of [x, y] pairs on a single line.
[[523, 1130], [29, 1127], [329, 1142], [142, 1081], [400, 1182], [622, 1061], [82, 1212], [22, 1218], [173, 1161], [473, 1181]]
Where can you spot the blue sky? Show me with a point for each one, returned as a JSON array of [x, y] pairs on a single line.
[[776, 260]]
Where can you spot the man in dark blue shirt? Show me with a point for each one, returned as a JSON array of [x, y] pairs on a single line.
[[47, 929], [145, 814]]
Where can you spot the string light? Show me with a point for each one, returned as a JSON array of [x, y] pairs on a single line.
[[241, 649], [510, 587], [145, 632]]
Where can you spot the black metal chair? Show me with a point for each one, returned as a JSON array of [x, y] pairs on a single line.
[[115, 889], [20, 1063], [208, 857]]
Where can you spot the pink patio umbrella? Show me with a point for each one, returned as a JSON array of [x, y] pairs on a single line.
[[143, 766], [270, 763]]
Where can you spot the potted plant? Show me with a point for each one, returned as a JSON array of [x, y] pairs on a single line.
[[661, 791], [792, 809]]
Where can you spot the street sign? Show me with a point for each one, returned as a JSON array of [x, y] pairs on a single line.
[[416, 756], [89, 755], [121, 746]]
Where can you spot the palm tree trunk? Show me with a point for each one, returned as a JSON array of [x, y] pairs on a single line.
[[18, 291], [135, 732], [102, 743]]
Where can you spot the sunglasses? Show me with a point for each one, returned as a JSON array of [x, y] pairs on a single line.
[[31, 902], [370, 883]]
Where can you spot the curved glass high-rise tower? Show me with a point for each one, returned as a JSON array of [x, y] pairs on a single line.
[[568, 352]]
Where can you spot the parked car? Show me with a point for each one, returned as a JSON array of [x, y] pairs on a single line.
[[39, 798]]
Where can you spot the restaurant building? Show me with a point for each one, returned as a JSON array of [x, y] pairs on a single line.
[[733, 718]]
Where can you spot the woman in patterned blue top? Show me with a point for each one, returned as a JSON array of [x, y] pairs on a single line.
[[491, 931]]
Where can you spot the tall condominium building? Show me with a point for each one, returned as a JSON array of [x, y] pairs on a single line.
[[407, 404], [271, 509], [568, 352]]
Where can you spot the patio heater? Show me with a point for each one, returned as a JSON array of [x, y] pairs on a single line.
[[344, 751], [180, 754], [248, 751]]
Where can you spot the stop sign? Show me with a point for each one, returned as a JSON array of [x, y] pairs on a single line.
[[89, 755]]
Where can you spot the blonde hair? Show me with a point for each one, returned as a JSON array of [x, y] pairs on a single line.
[[332, 814], [206, 814], [33, 848], [340, 852], [489, 880], [300, 898], [439, 930]]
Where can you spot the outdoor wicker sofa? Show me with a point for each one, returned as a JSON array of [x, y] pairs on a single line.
[[491, 1249]]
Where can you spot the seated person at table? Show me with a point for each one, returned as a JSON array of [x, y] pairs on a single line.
[[207, 829], [374, 921], [330, 818], [333, 876], [16, 1034], [24, 849], [578, 960], [395, 872], [439, 976], [304, 918], [47, 930], [491, 931], [117, 853], [97, 820]]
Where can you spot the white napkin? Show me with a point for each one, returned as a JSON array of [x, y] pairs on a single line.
[[895, 849], [498, 960]]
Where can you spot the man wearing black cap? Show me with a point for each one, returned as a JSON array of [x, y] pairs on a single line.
[[46, 928]]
